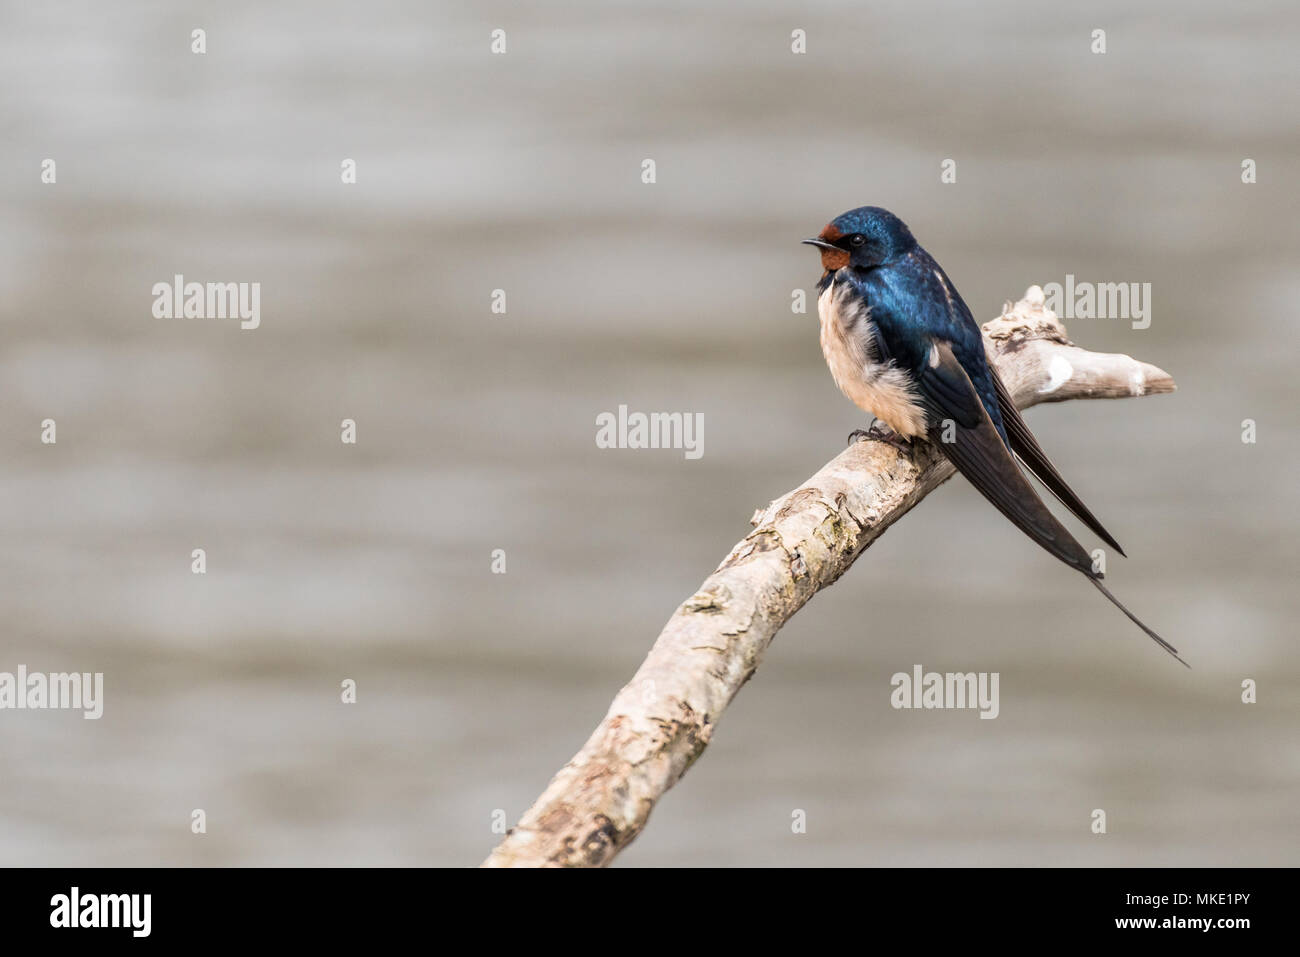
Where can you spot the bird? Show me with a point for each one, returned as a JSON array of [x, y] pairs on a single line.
[[902, 345]]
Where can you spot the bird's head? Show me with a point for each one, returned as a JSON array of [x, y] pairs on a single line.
[[864, 237]]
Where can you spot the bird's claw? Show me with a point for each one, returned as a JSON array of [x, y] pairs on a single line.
[[881, 433]]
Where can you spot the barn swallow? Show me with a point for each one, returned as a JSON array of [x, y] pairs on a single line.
[[904, 347]]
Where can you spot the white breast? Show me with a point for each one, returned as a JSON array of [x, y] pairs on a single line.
[[848, 343]]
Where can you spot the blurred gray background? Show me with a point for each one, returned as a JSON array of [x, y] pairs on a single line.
[[476, 431]]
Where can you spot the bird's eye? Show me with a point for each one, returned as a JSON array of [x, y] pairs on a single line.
[[857, 239]]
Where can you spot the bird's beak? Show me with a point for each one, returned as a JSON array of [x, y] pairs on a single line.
[[833, 257]]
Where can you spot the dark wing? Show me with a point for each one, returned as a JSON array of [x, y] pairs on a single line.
[[979, 454], [1031, 453]]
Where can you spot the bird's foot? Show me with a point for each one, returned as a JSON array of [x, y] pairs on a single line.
[[881, 433]]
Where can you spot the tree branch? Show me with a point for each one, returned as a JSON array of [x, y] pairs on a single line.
[[662, 720]]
